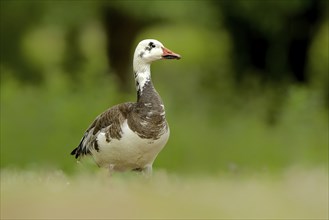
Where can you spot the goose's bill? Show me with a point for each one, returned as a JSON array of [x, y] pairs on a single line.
[[168, 54]]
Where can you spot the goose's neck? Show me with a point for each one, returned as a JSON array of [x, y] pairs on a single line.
[[144, 86], [142, 73]]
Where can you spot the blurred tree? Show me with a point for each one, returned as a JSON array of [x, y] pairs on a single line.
[[271, 41], [123, 21], [16, 18], [318, 66], [271, 38]]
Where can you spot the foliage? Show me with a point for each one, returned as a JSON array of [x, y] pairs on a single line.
[[41, 125], [51, 92]]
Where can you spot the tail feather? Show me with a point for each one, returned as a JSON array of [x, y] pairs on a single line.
[[74, 151], [80, 150]]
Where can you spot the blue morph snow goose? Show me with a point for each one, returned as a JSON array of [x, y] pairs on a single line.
[[129, 136]]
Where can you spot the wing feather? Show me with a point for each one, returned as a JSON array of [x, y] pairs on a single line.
[[109, 122]]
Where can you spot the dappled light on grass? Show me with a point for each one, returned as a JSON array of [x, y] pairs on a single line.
[[296, 193]]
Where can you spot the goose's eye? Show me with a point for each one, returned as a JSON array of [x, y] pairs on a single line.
[[151, 44]]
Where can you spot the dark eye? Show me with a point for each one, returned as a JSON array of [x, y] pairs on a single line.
[[151, 44]]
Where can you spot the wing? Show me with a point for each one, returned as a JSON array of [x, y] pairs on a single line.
[[109, 121]]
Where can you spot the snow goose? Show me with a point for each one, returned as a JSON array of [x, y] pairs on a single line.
[[130, 135]]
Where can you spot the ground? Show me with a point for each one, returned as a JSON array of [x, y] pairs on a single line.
[[295, 193]]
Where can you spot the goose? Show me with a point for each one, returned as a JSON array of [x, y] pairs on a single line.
[[129, 136]]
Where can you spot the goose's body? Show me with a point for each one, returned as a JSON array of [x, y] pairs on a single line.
[[129, 136]]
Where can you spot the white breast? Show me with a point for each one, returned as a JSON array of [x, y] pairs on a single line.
[[130, 152]]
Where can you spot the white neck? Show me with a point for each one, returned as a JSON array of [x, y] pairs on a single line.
[[142, 72]]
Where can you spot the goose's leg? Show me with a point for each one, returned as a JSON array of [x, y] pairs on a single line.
[[111, 169], [147, 170]]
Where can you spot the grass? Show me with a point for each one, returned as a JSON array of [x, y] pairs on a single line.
[[215, 126], [223, 160], [51, 194], [50, 120]]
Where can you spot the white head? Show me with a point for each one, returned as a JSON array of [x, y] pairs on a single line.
[[150, 50]]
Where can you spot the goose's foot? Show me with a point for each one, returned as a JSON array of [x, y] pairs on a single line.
[[146, 171], [111, 170]]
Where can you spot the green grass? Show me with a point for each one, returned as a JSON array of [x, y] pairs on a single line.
[[41, 125], [214, 126], [50, 194], [223, 160]]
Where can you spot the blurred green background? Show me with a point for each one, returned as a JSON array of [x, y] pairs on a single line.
[[250, 92]]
